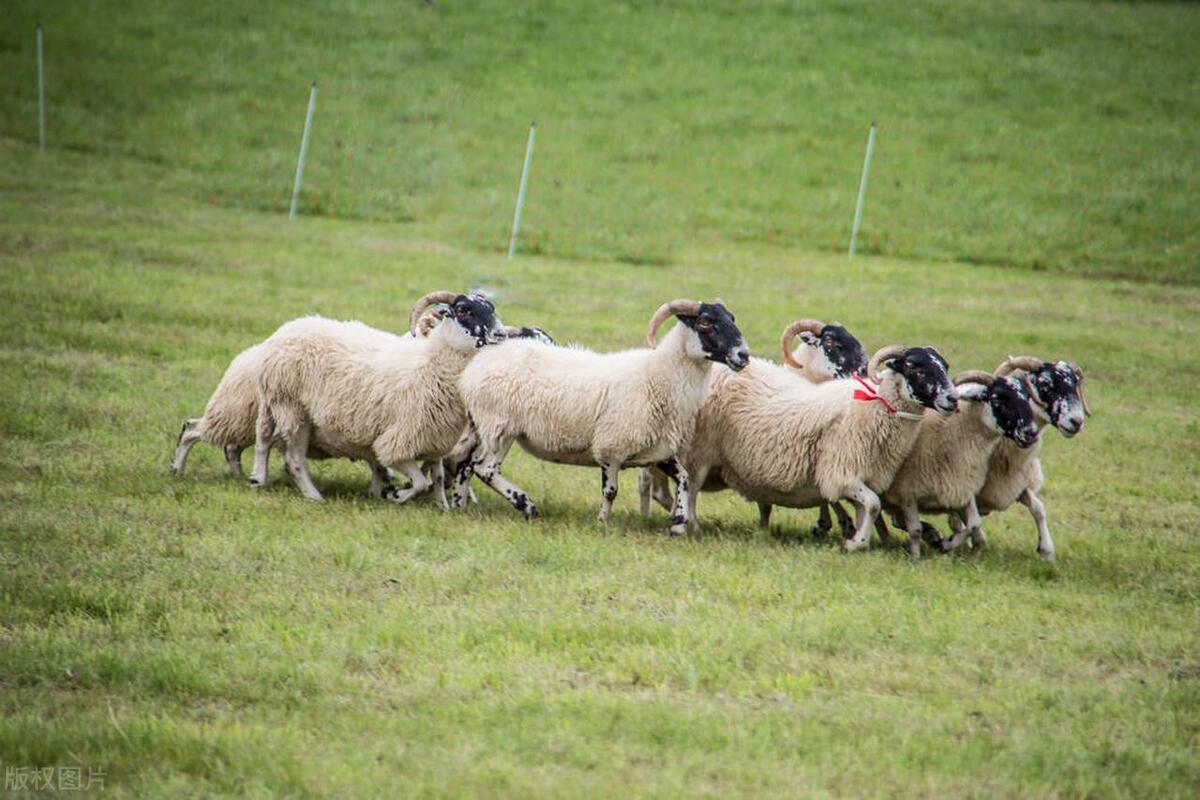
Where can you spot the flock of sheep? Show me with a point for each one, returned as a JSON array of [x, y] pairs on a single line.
[[447, 400]]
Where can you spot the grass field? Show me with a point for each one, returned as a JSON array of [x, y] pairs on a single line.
[[1056, 136], [191, 638]]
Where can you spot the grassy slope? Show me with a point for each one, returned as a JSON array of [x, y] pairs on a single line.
[[1047, 135], [189, 636]]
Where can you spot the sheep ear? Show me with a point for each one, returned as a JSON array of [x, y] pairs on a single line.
[[973, 391]]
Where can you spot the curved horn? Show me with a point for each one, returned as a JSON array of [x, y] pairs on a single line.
[[789, 333], [1014, 363], [891, 351], [1079, 386], [425, 302], [974, 376], [688, 308]]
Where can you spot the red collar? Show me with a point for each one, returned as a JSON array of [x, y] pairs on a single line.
[[868, 393]]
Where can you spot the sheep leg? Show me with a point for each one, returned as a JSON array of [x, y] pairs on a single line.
[[974, 524], [866, 504], [487, 467], [881, 528], [824, 522], [652, 485], [959, 528], [233, 460], [1038, 510], [912, 524], [420, 482], [439, 484], [661, 491], [844, 521], [296, 458], [764, 514], [264, 431], [644, 488], [684, 499], [609, 475], [697, 477], [462, 457], [381, 479], [189, 434]]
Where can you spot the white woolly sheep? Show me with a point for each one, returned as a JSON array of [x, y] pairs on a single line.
[[788, 442], [825, 352], [354, 394], [611, 410], [231, 414], [1014, 474], [948, 463]]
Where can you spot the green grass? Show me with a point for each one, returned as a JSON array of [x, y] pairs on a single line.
[[192, 638], [1053, 136]]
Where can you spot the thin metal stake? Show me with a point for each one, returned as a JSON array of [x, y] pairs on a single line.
[[41, 93], [862, 189], [308, 118], [512, 244]]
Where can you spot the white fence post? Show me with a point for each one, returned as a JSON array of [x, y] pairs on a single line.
[[308, 118], [862, 190], [512, 243]]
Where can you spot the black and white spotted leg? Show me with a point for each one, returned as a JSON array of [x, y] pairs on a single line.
[[381, 480], [487, 467], [681, 513], [420, 483], [609, 477], [462, 459]]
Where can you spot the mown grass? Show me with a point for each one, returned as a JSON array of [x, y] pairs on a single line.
[[1052, 136], [190, 637]]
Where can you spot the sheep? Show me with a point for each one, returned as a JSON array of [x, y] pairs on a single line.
[[231, 413], [1015, 474], [788, 442], [612, 410], [825, 352], [948, 464], [230, 418], [357, 394]]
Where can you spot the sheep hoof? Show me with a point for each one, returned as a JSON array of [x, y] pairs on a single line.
[[679, 526], [254, 483], [1045, 555], [820, 531], [854, 545]]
